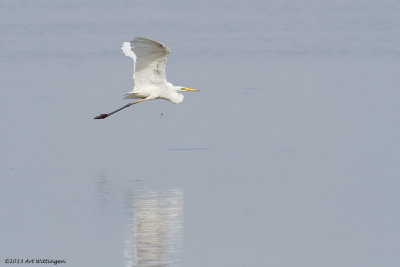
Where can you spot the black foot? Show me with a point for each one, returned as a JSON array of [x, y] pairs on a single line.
[[101, 116]]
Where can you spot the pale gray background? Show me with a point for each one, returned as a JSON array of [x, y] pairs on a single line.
[[287, 157]]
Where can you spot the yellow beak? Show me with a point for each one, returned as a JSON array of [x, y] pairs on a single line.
[[190, 89]]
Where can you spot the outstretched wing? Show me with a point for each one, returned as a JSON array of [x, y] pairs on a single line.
[[150, 58]]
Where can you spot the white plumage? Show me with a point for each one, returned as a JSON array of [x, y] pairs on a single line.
[[149, 62]]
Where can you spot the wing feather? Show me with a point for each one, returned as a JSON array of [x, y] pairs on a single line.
[[126, 48], [150, 59]]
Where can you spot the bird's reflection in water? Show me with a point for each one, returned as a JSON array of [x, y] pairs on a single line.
[[154, 228]]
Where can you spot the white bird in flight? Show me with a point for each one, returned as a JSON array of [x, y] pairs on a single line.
[[149, 61]]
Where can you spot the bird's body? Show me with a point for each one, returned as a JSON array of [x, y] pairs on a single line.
[[149, 61], [163, 91]]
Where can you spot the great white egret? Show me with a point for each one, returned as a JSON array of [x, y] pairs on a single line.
[[149, 60]]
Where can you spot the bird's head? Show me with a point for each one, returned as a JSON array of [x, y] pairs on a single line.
[[175, 95]]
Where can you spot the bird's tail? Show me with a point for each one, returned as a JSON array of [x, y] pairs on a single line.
[[130, 95]]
